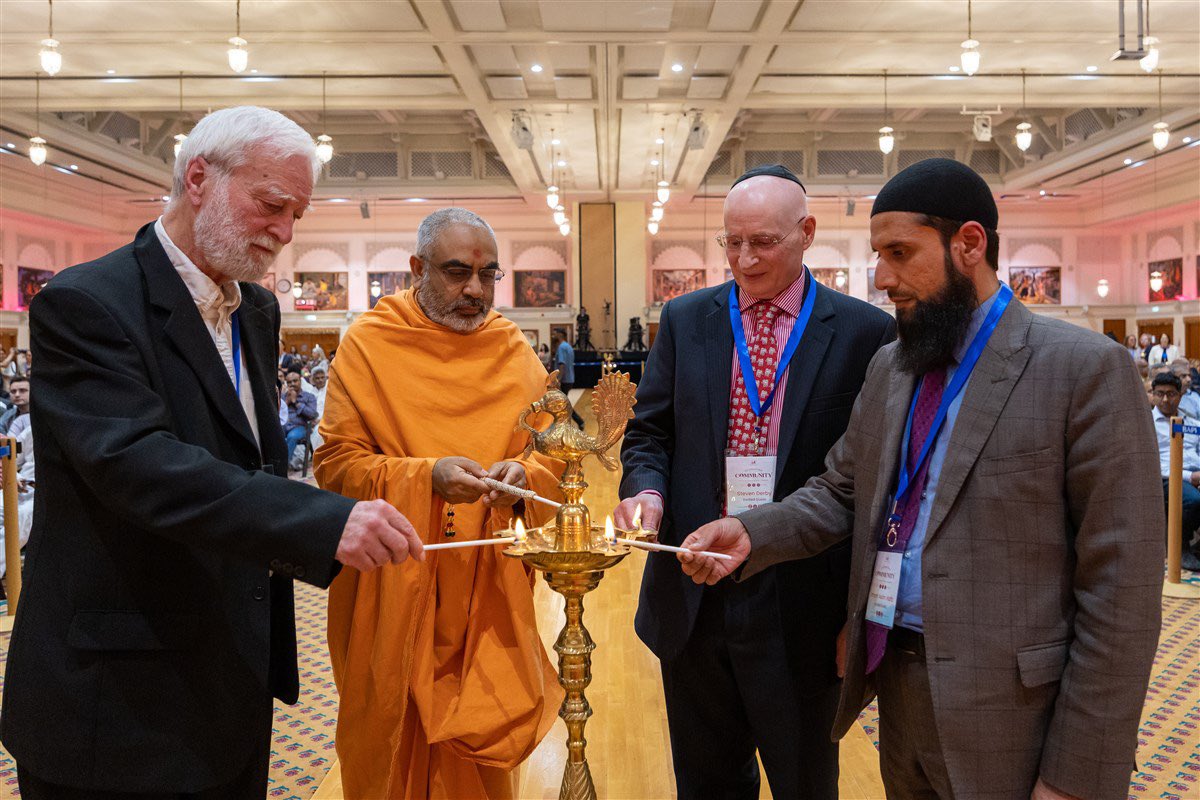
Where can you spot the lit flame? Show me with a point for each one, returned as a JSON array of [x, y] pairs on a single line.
[[519, 531], [610, 535], [637, 517]]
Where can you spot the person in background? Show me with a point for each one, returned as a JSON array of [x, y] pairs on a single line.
[[1146, 342], [544, 355], [1166, 390], [1189, 401], [1132, 346], [302, 410], [564, 362], [1163, 353]]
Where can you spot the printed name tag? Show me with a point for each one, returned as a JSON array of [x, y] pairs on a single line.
[[885, 588], [749, 482]]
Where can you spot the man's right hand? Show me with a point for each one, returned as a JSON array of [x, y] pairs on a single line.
[[457, 479], [727, 536], [652, 512], [377, 534]]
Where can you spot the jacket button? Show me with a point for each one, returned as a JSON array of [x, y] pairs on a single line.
[[299, 572], [259, 593]]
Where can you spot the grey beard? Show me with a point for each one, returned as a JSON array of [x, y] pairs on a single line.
[[446, 313], [214, 235]]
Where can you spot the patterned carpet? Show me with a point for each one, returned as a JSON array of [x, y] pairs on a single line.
[[302, 749]]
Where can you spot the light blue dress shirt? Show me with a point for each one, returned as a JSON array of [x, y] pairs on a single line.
[[566, 363], [908, 600]]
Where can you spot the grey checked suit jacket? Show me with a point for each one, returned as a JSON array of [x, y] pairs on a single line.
[[1042, 568]]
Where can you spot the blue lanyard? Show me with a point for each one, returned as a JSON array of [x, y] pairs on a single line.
[[739, 337], [237, 354], [904, 483]]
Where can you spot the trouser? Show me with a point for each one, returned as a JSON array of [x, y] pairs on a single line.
[[294, 436], [910, 755], [250, 784], [566, 389], [730, 693], [1191, 511]]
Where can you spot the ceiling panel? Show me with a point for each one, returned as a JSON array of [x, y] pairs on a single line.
[[507, 88], [705, 88], [573, 88], [718, 57], [495, 57], [634, 88], [610, 15], [734, 15], [643, 57], [479, 15]]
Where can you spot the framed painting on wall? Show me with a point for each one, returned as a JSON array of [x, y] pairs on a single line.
[[1171, 272], [531, 336], [29, 282], [671, 283], [876, 296], [1036, 286], [322, 291], [836, 278], [539, 288], [381, 284]]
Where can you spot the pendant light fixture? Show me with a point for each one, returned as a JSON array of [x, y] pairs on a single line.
[[1102, 288], [1162, 131], [656, 213], [49, 55], [552, 189], [239, 58], [180, 138], [560, 215], [1024, 137], [886, 140], [1149, 62], [652, 227], [324, 141], [37, 145], [970, 48], [664, 186]]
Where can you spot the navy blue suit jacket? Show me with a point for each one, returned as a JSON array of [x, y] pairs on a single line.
[[675, 445]]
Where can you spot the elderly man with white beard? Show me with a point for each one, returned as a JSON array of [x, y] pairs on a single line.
[[157, 619]]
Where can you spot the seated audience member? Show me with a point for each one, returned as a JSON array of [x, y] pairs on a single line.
[[319, 379], [1164, 352], [18, 389], [302, 409], [1131, 345], [1146, 343], [1189, 403], [1167, 391]]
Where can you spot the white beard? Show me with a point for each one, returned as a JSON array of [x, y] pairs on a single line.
[[217, 236]]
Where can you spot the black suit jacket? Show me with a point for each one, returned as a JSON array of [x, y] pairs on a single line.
[[676, 442], [151, 634]]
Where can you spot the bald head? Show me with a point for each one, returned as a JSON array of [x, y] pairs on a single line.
[[768, 228]]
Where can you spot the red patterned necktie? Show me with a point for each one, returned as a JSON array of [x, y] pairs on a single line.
[[747, 433], [927, 405]]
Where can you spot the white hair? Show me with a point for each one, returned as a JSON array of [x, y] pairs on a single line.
[[432, 226], [226, 137]]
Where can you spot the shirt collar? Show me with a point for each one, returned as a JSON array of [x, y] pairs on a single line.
[[788, 301], [977, 318], [213, 301]]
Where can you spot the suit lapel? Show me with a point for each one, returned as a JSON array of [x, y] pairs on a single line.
[[718, 348], [259, 343], [802, 373], [996, 373], [186, 330]]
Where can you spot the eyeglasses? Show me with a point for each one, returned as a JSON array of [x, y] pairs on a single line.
[[1167, 395], [759, 241], [488, 276]]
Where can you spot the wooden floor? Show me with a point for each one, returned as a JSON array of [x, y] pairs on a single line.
[[629, 750]]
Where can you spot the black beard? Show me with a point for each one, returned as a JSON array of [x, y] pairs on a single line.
[[933, 330]]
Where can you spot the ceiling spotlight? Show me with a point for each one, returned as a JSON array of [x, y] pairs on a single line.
[[677, 68], [1092, 68], [654, 162], [562, 163], [74, 167], [1128, 161], [1102, 288], [565, 228], [180, 138], [652, 226], [660, 140], [886, 140], [110, 72], [37, 151], [1149, 62], [535, 68], [656, 213], [1187, 140], [552, 197], [1024, 137], [556, 142], [238, 57], [1161, 136], [664, 191], [955, 68], [49, 56]]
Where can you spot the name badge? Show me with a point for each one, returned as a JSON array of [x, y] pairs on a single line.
[[749, 482], [885, 588]]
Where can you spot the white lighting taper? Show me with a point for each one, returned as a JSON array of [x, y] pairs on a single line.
[[610, 534], [49, 56], [239, 58]]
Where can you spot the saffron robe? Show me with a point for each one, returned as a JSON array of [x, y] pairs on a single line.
[[445, 685]]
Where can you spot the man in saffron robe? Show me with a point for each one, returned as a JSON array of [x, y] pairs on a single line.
[[445, 685]]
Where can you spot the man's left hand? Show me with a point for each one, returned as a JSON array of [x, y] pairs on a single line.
[[1044, 791], [509, 472]]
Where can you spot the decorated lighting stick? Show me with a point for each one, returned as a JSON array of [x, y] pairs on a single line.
[[528, 494], [517, 537], [611, 536]]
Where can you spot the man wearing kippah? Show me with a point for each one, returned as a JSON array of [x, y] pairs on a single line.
[[747, 387], [999, 484]]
